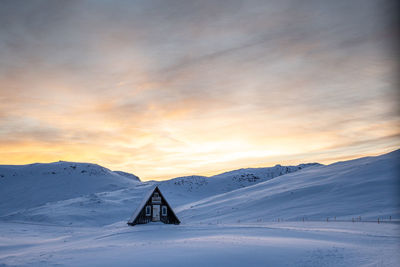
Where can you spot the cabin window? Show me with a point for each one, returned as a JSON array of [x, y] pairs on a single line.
[[148, 210], [164, 211], [156, 199]]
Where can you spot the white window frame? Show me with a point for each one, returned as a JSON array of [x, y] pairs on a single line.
[[148, 210], [164, 211]]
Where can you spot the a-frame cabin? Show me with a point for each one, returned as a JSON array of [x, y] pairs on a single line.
[[154, 208]]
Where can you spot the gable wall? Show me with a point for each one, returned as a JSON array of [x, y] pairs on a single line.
[[142, 218]]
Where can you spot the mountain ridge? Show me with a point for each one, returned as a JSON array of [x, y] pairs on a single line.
[[360, 187]]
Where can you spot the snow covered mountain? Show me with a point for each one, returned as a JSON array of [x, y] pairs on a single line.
[[87, 194], [28, 186], [66, 193]]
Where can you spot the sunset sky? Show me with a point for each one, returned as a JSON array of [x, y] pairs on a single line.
[[170, 88]]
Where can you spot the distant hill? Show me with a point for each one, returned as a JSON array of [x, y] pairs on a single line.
[[197, 187], [27, 186], [68, 193], [367, 187], [88, 194]]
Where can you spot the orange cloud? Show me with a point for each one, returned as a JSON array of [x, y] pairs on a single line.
[[195, 89]]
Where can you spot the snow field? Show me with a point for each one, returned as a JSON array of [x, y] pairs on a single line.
[[266, 244]]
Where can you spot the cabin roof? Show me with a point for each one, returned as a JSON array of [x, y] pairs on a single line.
[[166, 201], [144, 201]]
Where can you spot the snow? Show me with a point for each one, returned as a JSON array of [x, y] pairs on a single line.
[[194, 188], [128, 175], [141, 205], [269, 244], [99, 196], [26, 186], [366, 187], [75, 214]]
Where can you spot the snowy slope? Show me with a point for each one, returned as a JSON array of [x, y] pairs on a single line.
[[96, 209], [218, 228], [263, 244], [28, 186], [190, 188], [101, 205], [128, 175], [366, 187]]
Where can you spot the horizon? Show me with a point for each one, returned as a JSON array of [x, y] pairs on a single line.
[[218, 171], [169, 89]]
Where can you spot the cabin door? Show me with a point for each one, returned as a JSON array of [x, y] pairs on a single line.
[[156, 213]]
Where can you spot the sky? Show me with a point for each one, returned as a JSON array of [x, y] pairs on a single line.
[[170, 88]]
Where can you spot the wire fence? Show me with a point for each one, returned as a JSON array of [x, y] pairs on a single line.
[[358, 219]]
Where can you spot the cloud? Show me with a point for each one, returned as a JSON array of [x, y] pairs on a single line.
[[164, 88]]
